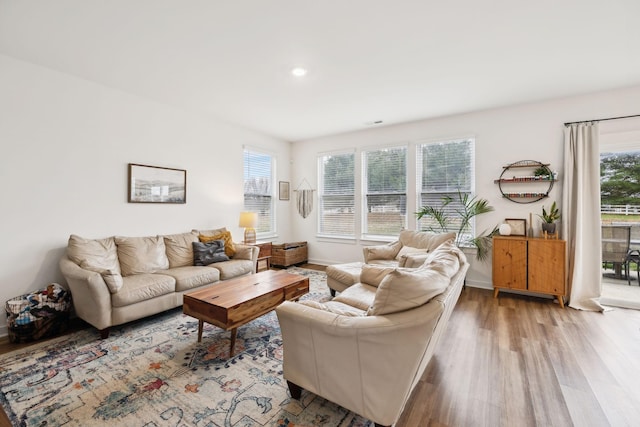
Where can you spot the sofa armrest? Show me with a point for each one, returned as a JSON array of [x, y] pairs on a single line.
[[388, 251], [91, 296], [347, 359], [248, 252]]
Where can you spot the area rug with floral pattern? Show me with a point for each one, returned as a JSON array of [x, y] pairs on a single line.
[[153, 372]]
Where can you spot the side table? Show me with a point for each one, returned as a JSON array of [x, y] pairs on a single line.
[[264, 254]]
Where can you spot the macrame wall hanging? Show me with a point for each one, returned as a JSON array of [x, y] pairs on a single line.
[[304, 198]]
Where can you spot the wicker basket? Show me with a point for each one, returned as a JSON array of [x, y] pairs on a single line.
[[288, 254]]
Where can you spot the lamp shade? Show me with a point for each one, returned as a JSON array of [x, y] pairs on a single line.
[[248, 220]]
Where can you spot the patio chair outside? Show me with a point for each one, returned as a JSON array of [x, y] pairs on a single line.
[[615, 247]]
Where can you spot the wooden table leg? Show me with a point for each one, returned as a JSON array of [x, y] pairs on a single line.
[[200, 327], [233, 341]]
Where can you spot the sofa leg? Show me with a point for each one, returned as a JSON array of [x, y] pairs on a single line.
[[332, 292], [295, 390], [104, 333]]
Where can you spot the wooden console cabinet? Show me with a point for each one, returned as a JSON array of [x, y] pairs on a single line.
[[529, 264]]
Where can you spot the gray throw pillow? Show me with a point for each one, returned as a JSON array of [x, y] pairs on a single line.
[[208, 253]]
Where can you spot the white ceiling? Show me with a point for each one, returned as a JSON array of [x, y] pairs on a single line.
[[368, 60]]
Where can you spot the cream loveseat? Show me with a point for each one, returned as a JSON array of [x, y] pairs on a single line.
[[367, 348], [119, 279]]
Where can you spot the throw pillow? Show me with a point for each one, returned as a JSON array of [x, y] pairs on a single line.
[[413, 260], [229, 247], [208, 253], [139, 255], [403, 290], [406, 250]]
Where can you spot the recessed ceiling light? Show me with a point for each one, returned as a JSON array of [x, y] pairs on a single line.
[[299, 71]]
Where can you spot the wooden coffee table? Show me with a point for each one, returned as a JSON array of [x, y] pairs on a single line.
[[235, 302]]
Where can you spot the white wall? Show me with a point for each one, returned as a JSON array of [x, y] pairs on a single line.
[[66, 144], [503, 136]]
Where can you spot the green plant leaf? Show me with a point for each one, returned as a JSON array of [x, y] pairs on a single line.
[[468, 208]]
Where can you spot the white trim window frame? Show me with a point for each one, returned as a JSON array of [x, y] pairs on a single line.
[[384, 192], [443, 168], [259, 172], [337, 194]]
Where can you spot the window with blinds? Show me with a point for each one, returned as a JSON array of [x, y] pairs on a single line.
[[259, 188], [443, 169], [336, 195], [385, 191]]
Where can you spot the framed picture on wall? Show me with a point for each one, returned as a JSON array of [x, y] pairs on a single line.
[[283, 190], [155, 184], [518, 226]]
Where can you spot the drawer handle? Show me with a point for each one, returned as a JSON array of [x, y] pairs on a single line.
[[302, 289]]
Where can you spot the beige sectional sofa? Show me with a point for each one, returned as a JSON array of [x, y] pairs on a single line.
[[367, 348], [119, 279]]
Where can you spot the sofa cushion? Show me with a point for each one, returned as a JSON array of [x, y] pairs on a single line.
[[373, 274], [98, 255], [424, 239], [445, 259], [233, 268], [179, 249], [143, 287], [208, 253], [334, 307], [244, 251], [139, 255], [360, 296], [229, 247], [348, 273], [191, 277], [384, 262], [404, 289]]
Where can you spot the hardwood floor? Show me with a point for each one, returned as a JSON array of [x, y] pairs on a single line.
[[523, 361]]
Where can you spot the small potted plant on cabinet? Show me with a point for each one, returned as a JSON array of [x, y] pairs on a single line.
[[549, 218]]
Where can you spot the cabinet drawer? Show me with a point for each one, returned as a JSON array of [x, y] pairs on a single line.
[[254, 308], [296, 290]]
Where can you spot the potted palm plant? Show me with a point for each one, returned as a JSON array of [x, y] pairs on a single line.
[[458, 218], [549, 218]]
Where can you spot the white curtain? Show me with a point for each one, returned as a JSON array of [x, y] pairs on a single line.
[[581, 216]]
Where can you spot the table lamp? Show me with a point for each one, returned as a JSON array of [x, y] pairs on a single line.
[[249, 221]]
